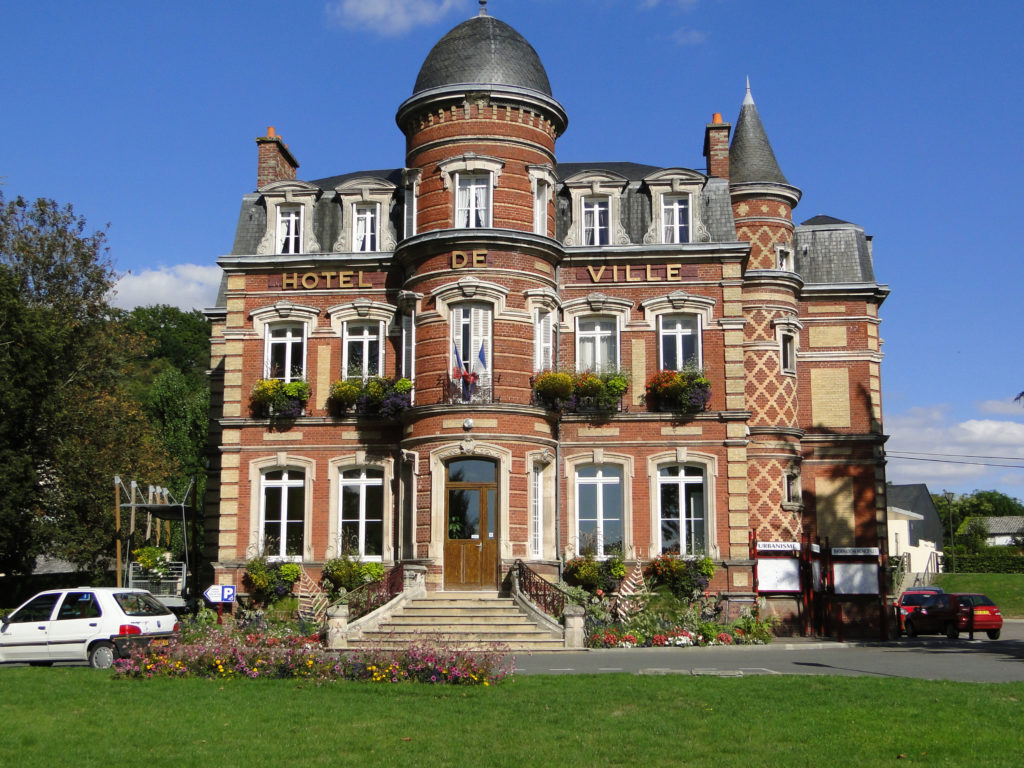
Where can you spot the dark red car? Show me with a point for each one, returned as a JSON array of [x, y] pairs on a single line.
[[911, 599], [935, 613], [987, 617]]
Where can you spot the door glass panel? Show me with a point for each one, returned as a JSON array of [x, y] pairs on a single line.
[[471, 471], [463, 513], [492, 511]]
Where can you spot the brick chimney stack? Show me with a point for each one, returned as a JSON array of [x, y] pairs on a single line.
[[275, 162], [716, 146]]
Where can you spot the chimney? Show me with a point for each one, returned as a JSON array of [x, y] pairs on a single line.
[[275, 162], [716, 146]]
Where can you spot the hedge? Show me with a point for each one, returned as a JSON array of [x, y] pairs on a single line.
[[987, 562]]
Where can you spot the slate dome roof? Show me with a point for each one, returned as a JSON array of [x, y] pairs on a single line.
[[483, 50]]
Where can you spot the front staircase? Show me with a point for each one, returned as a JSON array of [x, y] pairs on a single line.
[[469, 620]]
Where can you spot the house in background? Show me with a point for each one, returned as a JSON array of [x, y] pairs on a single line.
[[914, 526], [1001, 531]]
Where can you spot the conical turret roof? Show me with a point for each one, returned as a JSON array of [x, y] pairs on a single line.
[[751, 158]]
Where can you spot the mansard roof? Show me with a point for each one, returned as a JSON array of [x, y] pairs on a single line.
[[830, 250]]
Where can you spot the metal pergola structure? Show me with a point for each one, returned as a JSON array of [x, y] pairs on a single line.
[[158, 506]]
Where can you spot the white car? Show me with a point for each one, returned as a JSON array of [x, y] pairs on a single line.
[[93, 624]]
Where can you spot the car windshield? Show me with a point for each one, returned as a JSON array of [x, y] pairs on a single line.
[[140, 604], [917, 599]]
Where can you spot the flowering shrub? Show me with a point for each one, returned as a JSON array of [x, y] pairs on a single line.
[[269, 582], [154, 561], [276, 398], [552, 388], [685, 391], [377, 396], [343, 574], [225, 653], [591, 574], [685, 577]]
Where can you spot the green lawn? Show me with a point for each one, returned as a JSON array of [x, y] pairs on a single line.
[[1005, 589], [82, 717]]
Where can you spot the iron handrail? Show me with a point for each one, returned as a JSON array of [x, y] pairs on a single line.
[[369, 597], [539, 590]]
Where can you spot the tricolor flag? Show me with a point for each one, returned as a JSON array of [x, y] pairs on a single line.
[[482, 357]]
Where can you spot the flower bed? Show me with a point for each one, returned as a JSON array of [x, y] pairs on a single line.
[[225, 653]]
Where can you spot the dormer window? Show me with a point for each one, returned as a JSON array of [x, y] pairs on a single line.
[[595, 221], [289, 229], [473, 200], [675, 216], [364, 234]]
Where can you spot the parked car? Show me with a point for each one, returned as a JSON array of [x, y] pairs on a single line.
[[911, 599], [987, 617], [935, 613], [93, 624]]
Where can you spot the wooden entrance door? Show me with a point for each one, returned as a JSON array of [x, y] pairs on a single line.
[[471, 524]]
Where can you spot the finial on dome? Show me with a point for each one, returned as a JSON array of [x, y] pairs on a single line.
[[483, 7], [748, 99]]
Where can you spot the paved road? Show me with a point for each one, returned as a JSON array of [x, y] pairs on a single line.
[[930, 658]]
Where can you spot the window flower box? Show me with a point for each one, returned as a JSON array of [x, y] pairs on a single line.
[[279, 399], [375, 396], [685, 391], [586, 391]]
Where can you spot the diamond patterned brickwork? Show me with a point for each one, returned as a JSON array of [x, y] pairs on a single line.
[[767, 518], [762, 239]]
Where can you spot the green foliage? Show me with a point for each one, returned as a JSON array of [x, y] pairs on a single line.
[[180, 339], [974, 535], [599, 391], [376, 396], [552, 388], [151, 558], [975, 504], [594, 575], [278, 399], [991, 560], [270, 582], [345, 392], [685, 391], [686, 578], [344, 574], [67, 425]]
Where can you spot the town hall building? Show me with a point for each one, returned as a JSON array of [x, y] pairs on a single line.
[[485, 355]]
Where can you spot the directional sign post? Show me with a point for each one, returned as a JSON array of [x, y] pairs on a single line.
[[220, 594]]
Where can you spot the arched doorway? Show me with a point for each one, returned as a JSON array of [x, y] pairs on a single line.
[[471, 524]]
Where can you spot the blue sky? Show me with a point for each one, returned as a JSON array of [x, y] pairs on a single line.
[[902, 117]]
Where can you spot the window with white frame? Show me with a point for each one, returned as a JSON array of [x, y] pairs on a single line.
[[289, 229], [599, 510], [362, 350], [410, 210], [682, 510], [596, 221], [543, 340], [285, 352], [540, 207], [787, 342], [471, 340], [784, 257], [409, 346], [473, 200], [680, 341], [282, 513], [364, 226], [675, 218], [361, 517], [537, 511], [597, 343]]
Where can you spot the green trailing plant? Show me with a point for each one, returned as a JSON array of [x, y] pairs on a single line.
[[276, 398], [685, 391], [376, 396], [599, 391], [344, 574]]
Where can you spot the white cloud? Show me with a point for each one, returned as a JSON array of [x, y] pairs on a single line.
[[1007, 407], [686, 36], [186, 286], [939, 442], [390, 18]]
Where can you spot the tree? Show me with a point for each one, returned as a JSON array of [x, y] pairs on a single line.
[[66, 425]]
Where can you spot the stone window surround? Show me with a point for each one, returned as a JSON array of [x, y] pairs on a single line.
[[360, 459], [796, 504], [365, 190], [676, 182], [787, 326], [257, 468], [709, 463], [363, 311], [590, 184], [411, 187], [542, 463], [598, 456], [543, 300], [283, 313], [467, 448], [542, 182], [278, 193], [471, 163]]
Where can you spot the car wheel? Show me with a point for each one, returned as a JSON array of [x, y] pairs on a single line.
[[101, 656], [993, 634], [909, 628], [952, 630]]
